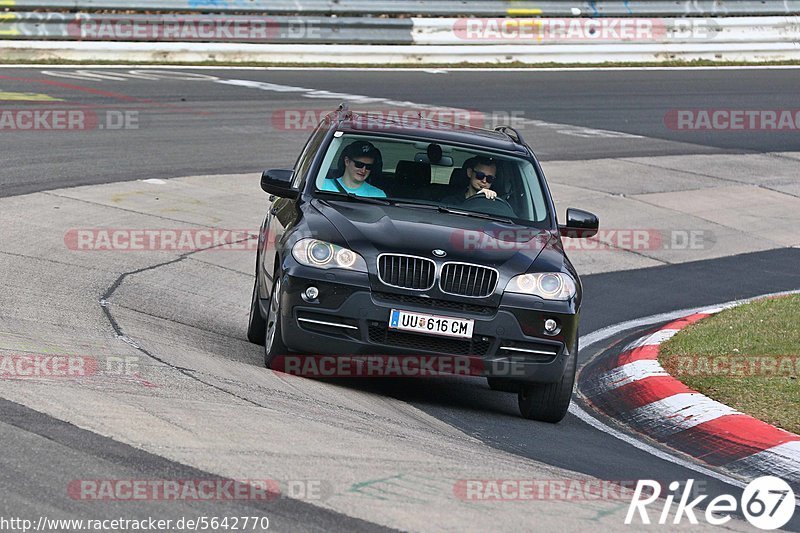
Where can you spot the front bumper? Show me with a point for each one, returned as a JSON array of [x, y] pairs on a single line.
[[349, 318]]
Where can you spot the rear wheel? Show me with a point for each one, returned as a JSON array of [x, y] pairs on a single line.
[[256, 326], [273, 341], [548, 402]]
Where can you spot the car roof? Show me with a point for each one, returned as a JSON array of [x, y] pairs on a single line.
[[427, 129]]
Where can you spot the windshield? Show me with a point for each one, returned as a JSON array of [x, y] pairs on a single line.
[[462, 180]]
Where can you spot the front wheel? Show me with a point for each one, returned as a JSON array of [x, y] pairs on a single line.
[[273, 342], [548, 402]]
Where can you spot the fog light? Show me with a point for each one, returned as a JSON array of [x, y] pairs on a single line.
[[311, 293], [550, 326]]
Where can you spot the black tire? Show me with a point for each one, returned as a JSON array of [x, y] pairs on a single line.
[[256, 325], [548, 402], [273, 338]]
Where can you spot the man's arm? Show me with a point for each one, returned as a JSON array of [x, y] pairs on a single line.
[[490, 194]]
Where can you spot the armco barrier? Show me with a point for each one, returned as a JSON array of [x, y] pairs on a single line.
[[591, 32], [321, 31], [204, 28], [420, 31], [485, 8]]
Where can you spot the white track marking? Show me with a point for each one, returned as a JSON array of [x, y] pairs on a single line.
[[716, 310], [565, 129], [580, 131], [134, 74]]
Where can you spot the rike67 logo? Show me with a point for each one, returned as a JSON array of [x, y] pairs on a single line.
[[767, 503]]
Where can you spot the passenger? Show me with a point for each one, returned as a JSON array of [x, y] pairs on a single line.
[[482, 172], [360, 157]]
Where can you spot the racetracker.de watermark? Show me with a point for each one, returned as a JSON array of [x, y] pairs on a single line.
[[765, 366], [386, 366], [606, 29], [45, 367], [607, 239], [53, 119], [160, 239], [298, 119], [733, 120], [489, 239], [197, 489], [517, 490], [39, 366], [193, 28]]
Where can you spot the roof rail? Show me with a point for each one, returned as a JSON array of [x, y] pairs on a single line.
[[511, 132]]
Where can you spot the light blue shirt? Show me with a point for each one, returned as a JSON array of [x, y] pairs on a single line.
[[364, 190]]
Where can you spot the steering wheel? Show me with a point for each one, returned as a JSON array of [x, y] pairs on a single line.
[[504, 208]]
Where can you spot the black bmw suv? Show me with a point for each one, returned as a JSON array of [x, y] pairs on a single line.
[[401, 238]]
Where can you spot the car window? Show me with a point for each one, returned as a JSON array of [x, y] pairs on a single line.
[[403, 172]]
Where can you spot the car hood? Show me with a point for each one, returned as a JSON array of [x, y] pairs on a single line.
[[374, 229]]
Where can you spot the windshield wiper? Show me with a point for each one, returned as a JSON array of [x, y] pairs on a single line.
[[367, 199], [485, 216], [415, 204]]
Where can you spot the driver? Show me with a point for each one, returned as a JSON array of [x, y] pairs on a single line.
[[482, 172], [359, 158]]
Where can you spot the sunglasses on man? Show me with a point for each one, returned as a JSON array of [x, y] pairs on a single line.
[[361, 164], [481, 176]]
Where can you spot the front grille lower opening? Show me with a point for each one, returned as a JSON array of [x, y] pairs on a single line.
[[379, 333]]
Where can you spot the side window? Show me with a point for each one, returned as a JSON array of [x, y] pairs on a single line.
[[303, 162]]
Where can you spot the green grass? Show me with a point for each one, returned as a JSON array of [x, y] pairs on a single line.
[[754, 337], [609, 64]]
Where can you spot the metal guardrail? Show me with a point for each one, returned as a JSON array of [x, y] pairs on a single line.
[[595, 31], [406, 32], [204, 28], [433, 8], [244, 29]]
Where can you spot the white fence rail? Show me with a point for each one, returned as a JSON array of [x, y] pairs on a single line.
[[436, 8]]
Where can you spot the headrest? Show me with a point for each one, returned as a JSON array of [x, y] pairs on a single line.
[[458, 177], [413, 173]]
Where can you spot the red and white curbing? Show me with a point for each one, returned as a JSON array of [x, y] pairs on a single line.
[[633, 388]]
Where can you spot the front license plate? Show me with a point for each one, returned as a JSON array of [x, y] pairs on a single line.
[[431, 324]]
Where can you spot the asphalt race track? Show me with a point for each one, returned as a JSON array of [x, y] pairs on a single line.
[[187, 127], [386, 453]]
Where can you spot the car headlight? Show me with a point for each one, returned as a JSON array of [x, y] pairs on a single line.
[[547, 285], [321, 254]]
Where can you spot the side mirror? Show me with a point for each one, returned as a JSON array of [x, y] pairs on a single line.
[[279, 183], [580, 224]]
